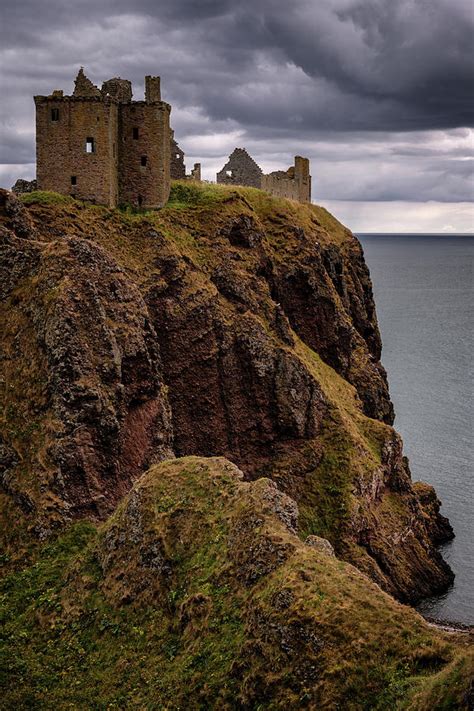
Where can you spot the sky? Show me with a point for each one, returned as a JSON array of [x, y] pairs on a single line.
[[377, 93]]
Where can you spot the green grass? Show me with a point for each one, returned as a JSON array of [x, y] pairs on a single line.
[[204, 635], [191, 194], [44, 197]]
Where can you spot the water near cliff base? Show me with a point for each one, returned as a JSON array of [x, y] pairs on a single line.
[[423, 286]]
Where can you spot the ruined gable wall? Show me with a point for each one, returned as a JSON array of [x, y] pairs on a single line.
[[61, 147], [243, 170], [145, 186]]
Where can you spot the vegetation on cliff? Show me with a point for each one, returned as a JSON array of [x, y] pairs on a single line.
[[229, 324], [197, 593]]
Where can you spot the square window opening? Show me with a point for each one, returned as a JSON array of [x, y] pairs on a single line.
[[143, 160], [135, 133], [73, 180], [90, 145], [229, 173], [54, 114]]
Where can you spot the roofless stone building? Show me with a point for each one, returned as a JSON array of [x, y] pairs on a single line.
[[241, 169], [102, 146], [294, 183]]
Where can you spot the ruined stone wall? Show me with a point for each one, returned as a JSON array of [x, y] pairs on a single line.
[[303, 179], [63, 125], [241, 169], [22, 187], [196, 172], [280, 183], [117, 88], [144, 138], [177, 166], [294, 184]]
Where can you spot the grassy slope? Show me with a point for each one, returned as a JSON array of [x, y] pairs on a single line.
[[224, 622]]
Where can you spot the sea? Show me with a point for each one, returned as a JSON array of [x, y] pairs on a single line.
[[423, 287]]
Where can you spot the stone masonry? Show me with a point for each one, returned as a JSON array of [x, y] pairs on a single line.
[[177, 165], [24, 186], [241, 169], [101, 146], [294, 183]]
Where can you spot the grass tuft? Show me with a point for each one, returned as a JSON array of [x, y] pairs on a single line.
[[45, 197]]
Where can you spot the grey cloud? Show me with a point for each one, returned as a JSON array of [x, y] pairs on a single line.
[[417, 54], [323, 78]]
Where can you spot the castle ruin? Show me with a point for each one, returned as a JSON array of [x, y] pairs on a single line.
[[241, 169], [294, 183], [101, 146], [177, 166]]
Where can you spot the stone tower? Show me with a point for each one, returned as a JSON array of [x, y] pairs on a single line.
[[101, 146]]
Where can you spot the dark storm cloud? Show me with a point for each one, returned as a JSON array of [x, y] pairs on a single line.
[[416, 54], [320, 78], [395, 65]]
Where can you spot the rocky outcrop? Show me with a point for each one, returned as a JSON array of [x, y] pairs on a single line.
[[99, 402], [24, 186], [438, 525], [228, 328], [197, 593], [347, 338], [233, 389]]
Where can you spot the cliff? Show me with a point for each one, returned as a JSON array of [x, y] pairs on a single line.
[[230, 324]]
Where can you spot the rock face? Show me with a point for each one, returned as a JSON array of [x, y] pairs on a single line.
[[91, 352], [228, 324]]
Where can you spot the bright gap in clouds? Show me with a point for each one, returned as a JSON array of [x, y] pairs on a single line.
[[404, 217]]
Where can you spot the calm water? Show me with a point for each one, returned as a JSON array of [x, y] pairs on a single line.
[[423, 289]]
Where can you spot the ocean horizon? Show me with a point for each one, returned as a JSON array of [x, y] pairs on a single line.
[[414, 234]]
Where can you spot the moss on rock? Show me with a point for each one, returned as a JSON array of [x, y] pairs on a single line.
[[197, 593]]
